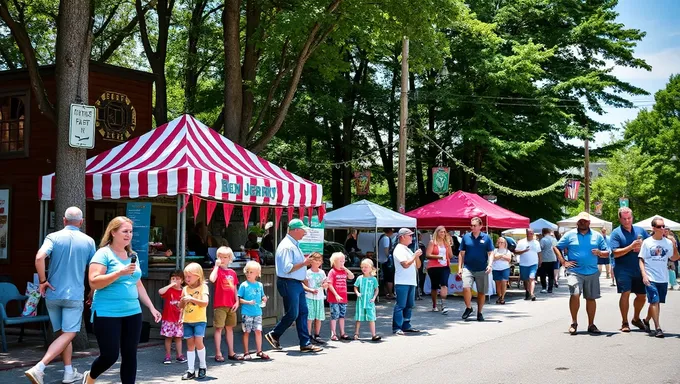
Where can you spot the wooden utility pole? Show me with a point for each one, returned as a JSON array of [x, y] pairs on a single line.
[[403, 118], [586, 174]]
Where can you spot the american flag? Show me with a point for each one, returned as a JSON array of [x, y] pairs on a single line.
[[571, 189]]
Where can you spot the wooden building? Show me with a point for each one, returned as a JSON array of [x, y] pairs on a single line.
[[123, 98]]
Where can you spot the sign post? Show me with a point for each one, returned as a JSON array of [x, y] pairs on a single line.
[[82, 120]]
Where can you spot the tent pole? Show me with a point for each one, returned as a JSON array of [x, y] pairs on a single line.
[[178, 238], [41, 235], [377, 263], [183, 231]]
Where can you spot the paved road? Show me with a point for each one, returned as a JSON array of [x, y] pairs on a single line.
[[521, 342]]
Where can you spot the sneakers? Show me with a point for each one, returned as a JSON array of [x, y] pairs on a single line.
[[480, 317], [36, 376], [316, 339], [399, 332], [201, 373], [435, 309], [269, 336], [167, 360], [647, 327], [188, 375], [86, 375], [659, 333], [181, 359], [311, 348], [467, 313], [72, 377], [544, 291], [638, 323], [444, 310]]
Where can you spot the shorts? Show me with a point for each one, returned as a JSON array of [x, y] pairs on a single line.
[[194, 329], [387, 272], [439, 276], [251, 323], [528, 272], [557, 265], [171, 329], [224, 316], [603, 261], [65, 315], [629, 281], [479, 277], [656, 292], [503, 275], [316, 310], [338, 310], [588, 285]]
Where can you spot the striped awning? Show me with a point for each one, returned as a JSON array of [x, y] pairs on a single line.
[[186, 157]]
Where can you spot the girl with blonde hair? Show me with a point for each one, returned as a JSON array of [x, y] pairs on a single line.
[[194, 318], [366, 289], [439, 255]]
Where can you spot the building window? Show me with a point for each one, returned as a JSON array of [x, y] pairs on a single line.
[[13, 125]]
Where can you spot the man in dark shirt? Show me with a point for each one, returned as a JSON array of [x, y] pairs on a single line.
[[474, 266]]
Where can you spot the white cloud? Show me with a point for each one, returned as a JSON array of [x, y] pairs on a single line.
[[664, 64]]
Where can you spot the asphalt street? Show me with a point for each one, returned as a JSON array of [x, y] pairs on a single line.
[[521, 342]]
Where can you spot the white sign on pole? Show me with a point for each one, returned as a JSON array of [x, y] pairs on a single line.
[[81, 126]]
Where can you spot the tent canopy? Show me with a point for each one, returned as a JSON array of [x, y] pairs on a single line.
[[456, 210], [538, 225], [365, 214], [647, 223], [186, 157], [594, 223]]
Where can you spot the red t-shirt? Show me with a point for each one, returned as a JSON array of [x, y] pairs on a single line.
[[171, 311], [338, 279], [226, 286]]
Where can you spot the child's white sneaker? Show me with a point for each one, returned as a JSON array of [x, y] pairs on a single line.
[[35, 375], [72, 377]]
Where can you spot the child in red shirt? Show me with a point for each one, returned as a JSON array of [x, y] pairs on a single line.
[[226, 302], [171, 325], [337, 296]]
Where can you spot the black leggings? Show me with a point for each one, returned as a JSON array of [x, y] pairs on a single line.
[[117, 334]]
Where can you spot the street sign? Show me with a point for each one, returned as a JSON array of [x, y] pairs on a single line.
[[82, 119]]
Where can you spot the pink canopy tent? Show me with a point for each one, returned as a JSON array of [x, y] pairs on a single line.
[[456, 210]]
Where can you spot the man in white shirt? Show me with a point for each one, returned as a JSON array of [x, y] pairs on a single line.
[[406, 264], [529, 262], [653, 259]]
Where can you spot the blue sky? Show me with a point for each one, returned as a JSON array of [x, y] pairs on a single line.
[[660, 48]]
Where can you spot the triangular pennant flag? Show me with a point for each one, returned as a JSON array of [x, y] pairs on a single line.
[[209, 209], [322, 212], [196, 201], [290, 213], [186, 202], [264, 213], [278, 211], [301, 212], [310, 213], [246, 214], [227, 208]]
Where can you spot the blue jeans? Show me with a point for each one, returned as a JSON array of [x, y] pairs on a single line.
[[295, 307], [406, 297]]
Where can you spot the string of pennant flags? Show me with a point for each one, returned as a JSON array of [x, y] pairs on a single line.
[[228, 209]]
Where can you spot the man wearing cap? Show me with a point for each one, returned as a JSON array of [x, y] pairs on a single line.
[[625, 243], [406, 264], [291, 272], [584, 248], [474, 266]]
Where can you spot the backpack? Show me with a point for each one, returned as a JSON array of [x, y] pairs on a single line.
[[512, 244], [390, 258]]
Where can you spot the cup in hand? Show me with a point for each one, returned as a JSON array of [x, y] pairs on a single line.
[[263, 303]]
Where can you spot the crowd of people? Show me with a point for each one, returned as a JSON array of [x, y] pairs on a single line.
[[640, 265]]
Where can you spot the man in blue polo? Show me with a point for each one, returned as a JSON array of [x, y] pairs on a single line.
[[584, 248], [625, 242], [474, 266], [291, 272]]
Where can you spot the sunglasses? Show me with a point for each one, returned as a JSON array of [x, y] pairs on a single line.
[[659, 226]]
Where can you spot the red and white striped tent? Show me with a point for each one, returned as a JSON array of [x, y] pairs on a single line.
[[186, 157]]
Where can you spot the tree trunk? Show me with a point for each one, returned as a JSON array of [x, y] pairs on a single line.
[[233, 82], [191, 72], [74, 41], [160, 110], [250, 60], [431, 120], [336, 172]]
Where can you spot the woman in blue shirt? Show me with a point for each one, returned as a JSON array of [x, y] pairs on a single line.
[[116, 314]]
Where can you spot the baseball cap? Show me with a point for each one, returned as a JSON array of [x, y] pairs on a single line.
[[297, 224], [405, 232], [268, 225], [583, 216]]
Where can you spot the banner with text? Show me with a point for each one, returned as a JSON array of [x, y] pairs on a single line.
[[140, 214]]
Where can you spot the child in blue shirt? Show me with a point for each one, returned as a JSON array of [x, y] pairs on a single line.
[[252, 298]]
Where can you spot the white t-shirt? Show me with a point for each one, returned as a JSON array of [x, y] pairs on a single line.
[[501, 265], [656, 253], [385, 242], [315, 281], [404, 276], [529, 257]]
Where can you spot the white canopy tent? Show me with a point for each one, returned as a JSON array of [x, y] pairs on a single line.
[[366, 215], [594, 223], [647, 223]]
